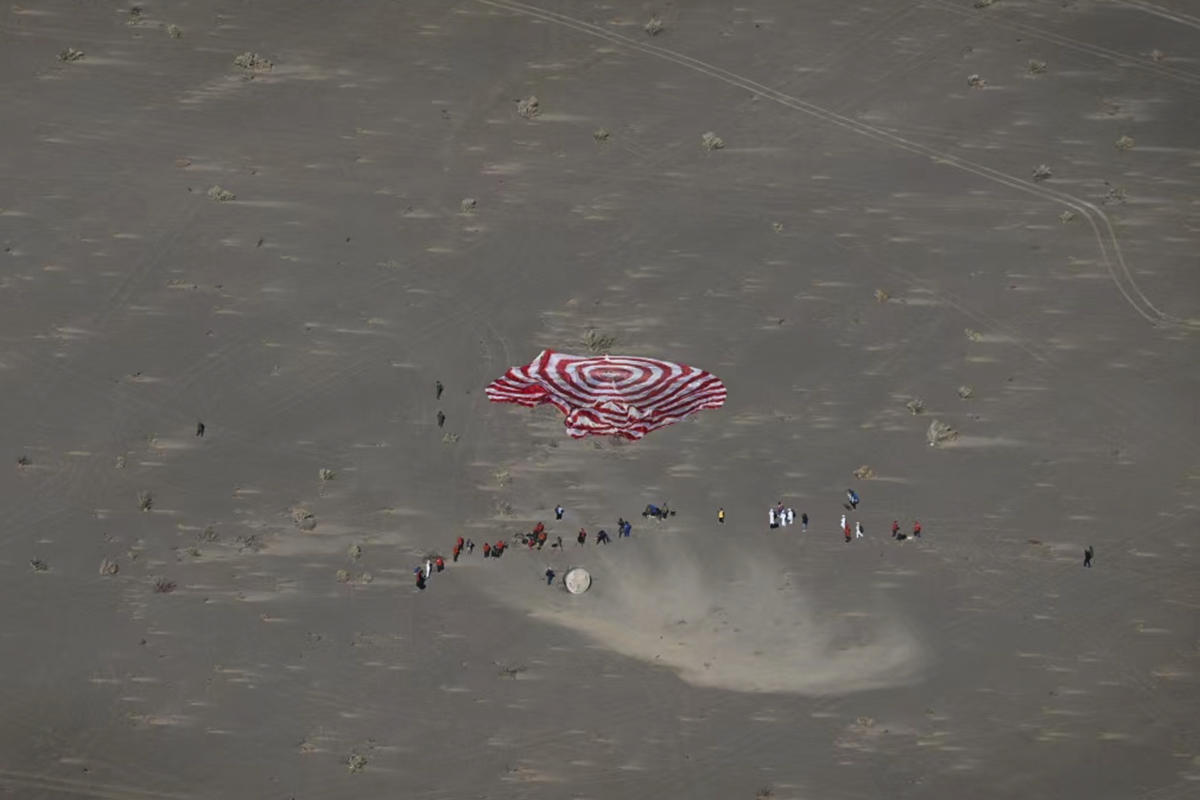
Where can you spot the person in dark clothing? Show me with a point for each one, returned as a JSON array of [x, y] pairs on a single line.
[[804, 522], [454, 553], [487, 550], [549, 576], [441, 418], [420, 579], [582, 537], [852, 497], [602, 537], [440, 563], [895, 528], [559, 511], [470, 546], [916, 530], [1087, 556], [557, 542], [200, 429], [438, 388]]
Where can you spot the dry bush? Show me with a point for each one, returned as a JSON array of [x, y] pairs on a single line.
[[1066, 216], [1036, 67], [654, 27], [23, 461], [1157, 55], [764, 793], [209, 534], [503, 478], [251, 542], [174, 31], [881, 296], [983, 3], [1124, 143], [342, 576], [326, 474], [145, 500], [777, 227], [1042, 172], [220, 195], [597, 343], [303, 519], [915, 406], [39, 565], [529, 107], [940, 432], [601, 134], [449, 438], [710, 141], [253, 62], [354, 551], [864, 473], [966, 392], [976, 81], [70, 54], [467, 205], [1113, 194], [135, 16], [356, 763], [164, 586], [973, 335], [109, 567]]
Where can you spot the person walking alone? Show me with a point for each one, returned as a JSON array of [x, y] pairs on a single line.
[[804, 522], [721, 515], [1087, 556]]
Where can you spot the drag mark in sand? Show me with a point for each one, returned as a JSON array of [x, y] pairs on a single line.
[[1106, 240]]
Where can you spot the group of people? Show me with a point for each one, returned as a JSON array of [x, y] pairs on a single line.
[[536, 538], [779, 517]]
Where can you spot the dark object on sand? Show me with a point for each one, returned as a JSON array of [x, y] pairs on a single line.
[[658, 512], [164, 586], [549, 576], [438, 389], [39, 565], [1087, 556], [23, 461], [441, 418], [200, 429]]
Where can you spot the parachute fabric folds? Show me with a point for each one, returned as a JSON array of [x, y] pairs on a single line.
[[610, 395]]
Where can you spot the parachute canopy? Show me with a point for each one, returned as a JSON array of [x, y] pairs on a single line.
[[624, 396]]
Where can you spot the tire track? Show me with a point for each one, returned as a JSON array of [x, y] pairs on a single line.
[[1106, 240], [1121, 59]]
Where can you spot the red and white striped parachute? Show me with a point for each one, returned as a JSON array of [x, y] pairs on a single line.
[[610, 395]]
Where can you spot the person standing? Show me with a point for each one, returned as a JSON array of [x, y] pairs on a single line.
[[852, 498], [771, 519], [627, 529], [858, 530], [549, 576], [200, 429], [438, 389], [1087, 556], [916, 529], [791, 516], [487, 550], [420, 579], [470, 545], [846, 530], [582, 537], [440, 563], [895, 528], [559, 511], [602, 537], [804, 522], [721, 515], [843, 521]]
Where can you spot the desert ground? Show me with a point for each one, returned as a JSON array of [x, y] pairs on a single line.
[[289, 221]]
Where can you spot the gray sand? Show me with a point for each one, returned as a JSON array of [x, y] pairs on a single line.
[[253, 631]]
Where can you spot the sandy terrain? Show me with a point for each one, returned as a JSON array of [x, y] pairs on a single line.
[[908, 201]]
